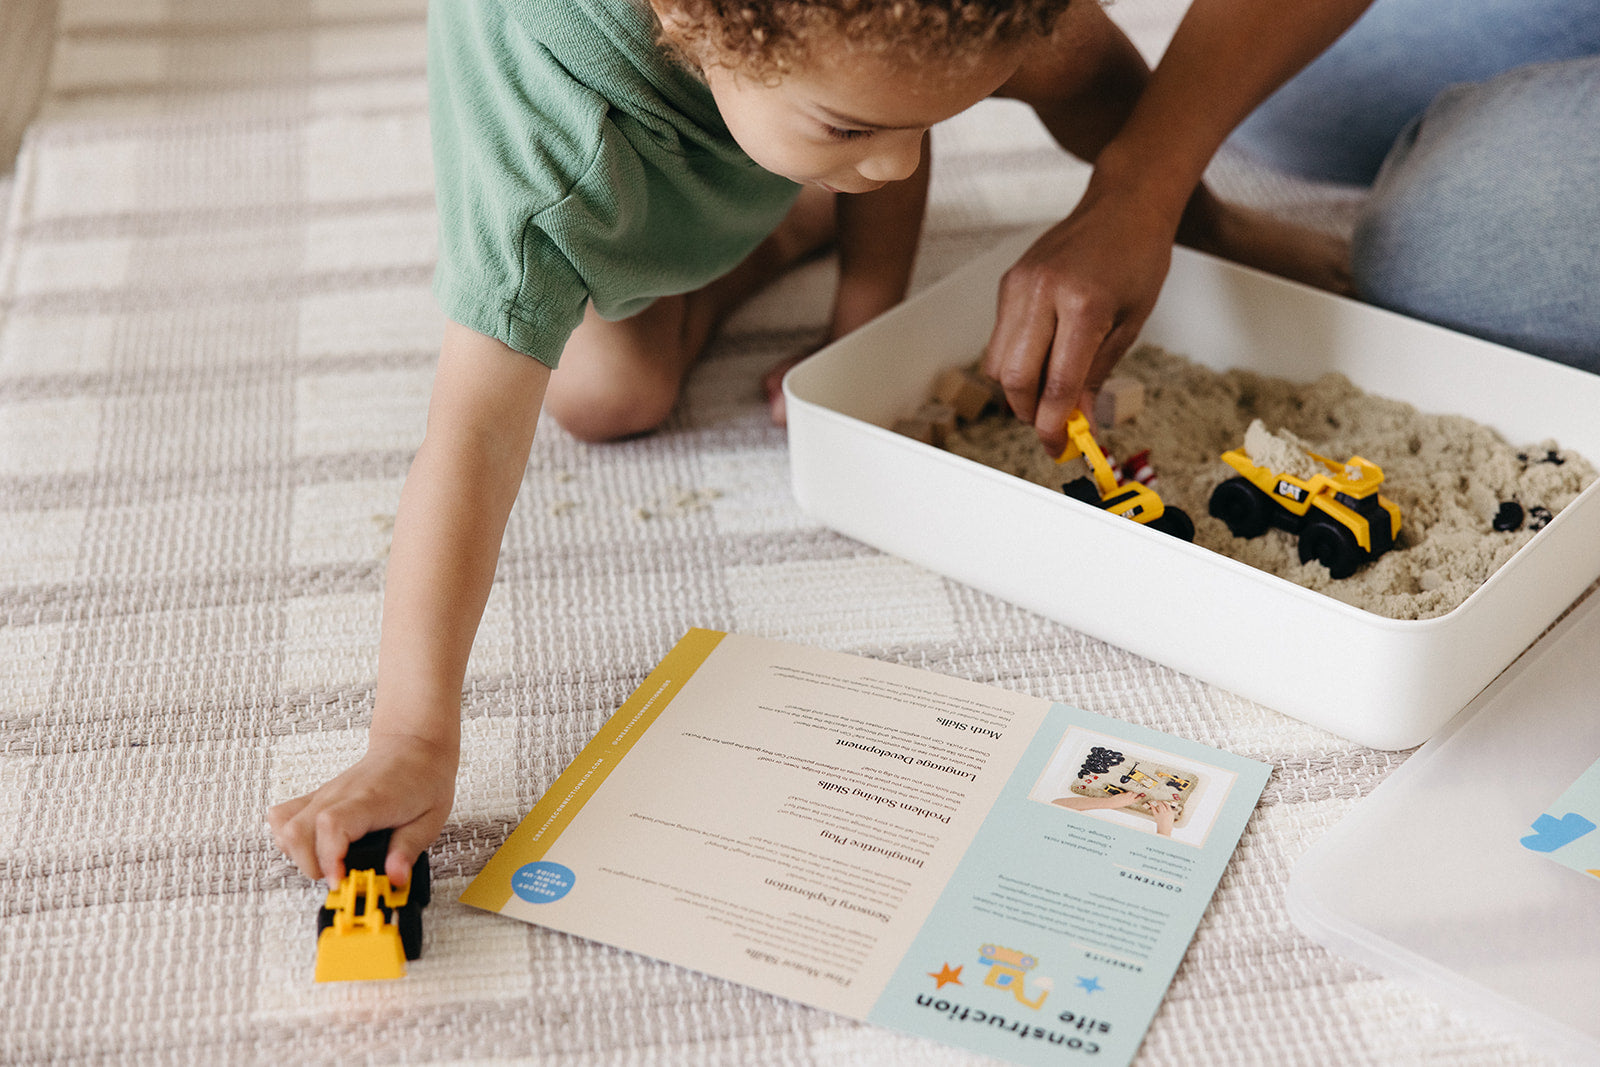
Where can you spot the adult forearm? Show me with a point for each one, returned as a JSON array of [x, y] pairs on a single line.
[[1226, 57], [1084, 82]]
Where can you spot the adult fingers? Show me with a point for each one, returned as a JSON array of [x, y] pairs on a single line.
[[1077, 343], [1019, 348]]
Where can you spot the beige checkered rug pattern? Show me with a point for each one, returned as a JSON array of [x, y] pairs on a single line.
[[216, 343]]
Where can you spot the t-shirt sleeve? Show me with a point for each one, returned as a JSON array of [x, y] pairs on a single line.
[[500, 159]]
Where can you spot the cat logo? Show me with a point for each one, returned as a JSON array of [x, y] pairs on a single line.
[[1287, 488]]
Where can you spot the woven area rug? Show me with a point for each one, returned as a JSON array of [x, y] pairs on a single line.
[[216, 344]]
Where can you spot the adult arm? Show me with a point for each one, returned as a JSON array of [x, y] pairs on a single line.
[[1076, 299], [452, 515]]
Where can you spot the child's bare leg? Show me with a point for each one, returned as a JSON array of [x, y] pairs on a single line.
[[622, 378]]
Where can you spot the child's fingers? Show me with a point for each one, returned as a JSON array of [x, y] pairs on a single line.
[[405, 846], [294, 835], [333, 839], [279, 815]]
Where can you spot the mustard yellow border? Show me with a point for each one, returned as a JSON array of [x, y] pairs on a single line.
[[556, 809]]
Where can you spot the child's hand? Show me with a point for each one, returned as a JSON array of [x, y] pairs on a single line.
[[402, 782], [772, 386]]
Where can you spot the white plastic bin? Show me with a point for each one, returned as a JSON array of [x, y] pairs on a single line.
[[1382, 682]]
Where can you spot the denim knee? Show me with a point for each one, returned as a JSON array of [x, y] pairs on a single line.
[[1336, 119], [1486, 215]]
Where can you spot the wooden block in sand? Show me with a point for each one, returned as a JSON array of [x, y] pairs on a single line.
[[932, 423], [964, 392], [1118, 400]]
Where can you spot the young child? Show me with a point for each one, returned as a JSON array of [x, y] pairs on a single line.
[[614, 178]]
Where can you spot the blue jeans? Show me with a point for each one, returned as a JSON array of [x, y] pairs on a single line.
[[1477, 124]]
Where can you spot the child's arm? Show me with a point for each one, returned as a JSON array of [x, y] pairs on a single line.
[[1078, 297], [877, 238], [453, 509], [876, 235]]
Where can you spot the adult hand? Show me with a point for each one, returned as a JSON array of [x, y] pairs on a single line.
[[1071, 306], [402, 782]]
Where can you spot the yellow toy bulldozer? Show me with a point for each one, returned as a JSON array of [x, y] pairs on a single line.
[[367, 928], [1341, 518], [1131, 499]]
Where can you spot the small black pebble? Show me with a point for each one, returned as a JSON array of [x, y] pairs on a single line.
[[1509, 517]]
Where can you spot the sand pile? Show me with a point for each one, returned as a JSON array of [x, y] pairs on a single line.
[[1449, 475]]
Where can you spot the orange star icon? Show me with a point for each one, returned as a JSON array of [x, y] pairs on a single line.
[[946, 976]]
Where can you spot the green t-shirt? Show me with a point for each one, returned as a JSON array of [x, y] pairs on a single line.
[[574, 161]]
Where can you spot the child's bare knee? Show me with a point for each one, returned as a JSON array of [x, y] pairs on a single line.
[[597, 415]]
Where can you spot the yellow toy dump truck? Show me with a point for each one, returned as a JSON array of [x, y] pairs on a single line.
[[1131, 499], [1341, 518], [368, 929]]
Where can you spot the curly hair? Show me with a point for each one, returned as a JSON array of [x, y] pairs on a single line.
[[766, 39]]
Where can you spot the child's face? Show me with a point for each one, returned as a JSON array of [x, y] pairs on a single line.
[[848, 123]]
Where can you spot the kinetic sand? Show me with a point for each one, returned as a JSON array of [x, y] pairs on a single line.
[[1448, 474]]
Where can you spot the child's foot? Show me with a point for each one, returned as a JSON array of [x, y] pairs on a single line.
[[772, 386]]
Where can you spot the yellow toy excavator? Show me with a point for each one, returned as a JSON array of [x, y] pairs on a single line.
[[1131, 499]]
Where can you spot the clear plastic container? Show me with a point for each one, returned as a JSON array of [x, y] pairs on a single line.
[[1426, 880]]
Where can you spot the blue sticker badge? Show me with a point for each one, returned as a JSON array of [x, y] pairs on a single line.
[[1566, 830], [1551, 833], [542, 882]]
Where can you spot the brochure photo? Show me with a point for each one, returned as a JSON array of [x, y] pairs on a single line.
[[981, 867]]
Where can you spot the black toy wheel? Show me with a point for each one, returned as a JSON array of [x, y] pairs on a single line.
[[420, 890], [367, 853], [1174, 521], [1333, 546], [324, 919], [409, 919], [1082, 489], [1242, 506]]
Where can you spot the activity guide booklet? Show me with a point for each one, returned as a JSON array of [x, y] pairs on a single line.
[[984, 868]]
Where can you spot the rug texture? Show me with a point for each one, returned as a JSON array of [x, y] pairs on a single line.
[[216, 346]]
